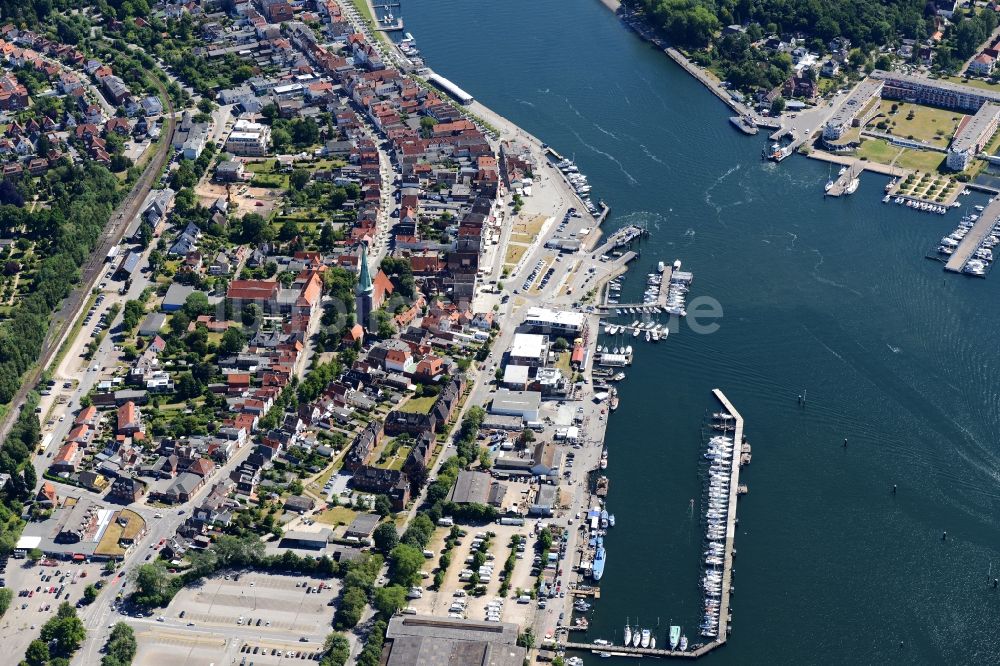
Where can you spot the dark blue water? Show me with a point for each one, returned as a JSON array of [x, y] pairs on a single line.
[[829, 296]]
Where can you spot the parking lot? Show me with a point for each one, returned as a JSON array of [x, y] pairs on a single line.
[[280, 605], [454, 598], [257, 618], [182, 646], [38, 590]]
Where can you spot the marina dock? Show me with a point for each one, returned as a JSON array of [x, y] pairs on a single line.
[[734, 483], [697, 649], [980, 230], [843, 182]]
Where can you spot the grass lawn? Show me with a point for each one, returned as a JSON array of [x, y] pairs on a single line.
[[935, 126], [563, 363], [420, 405], [338, 515], [514, 254], [922, 160], [274, 180], [326, 163], [396, 461], [264, 166], [877, 150], [531, 227]]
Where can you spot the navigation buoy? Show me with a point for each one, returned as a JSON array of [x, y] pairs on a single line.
[[894, 489], [845, 442], [944, 536]]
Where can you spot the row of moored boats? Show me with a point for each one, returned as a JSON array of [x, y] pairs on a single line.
[[720, 456], [922, 206], [578, 182], [982, 258]]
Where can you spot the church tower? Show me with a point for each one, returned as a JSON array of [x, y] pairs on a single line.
[[363, 292]]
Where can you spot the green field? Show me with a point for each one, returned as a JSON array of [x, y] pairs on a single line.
[[877, 150], [921, 160], [935, 126], [338, 515], [420, 405]]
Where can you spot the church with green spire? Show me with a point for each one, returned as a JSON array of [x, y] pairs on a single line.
[[364, 291]]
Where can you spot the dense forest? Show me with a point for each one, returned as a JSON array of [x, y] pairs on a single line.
[[80, 203], [868, 24], [865, 22]]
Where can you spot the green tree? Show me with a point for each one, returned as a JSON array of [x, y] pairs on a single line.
[[38, 653], [336, 650], [64, 632], [255, 229], [232, 341], [299, 178], [352, 604], [383, 506], [385, 537], [152, 583], [5, 597], [289, 230], [89, 594], [778, 106], [390, 599], [405, 562], [196, 304]]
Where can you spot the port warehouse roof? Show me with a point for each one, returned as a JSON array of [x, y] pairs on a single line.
[[417, 640], [516, 402], [971, 130], [450, 88], [478, 488]]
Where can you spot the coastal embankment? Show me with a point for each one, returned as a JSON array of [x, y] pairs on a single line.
[[644, 30]]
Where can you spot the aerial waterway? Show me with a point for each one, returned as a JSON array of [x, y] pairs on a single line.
[[828, 296]]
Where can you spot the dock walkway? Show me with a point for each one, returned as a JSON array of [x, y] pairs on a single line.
[[734, 484], [974, 238]]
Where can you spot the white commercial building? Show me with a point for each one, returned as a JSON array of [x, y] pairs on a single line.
[[555, 322], [529, 349], [517, 403], [248, 139]]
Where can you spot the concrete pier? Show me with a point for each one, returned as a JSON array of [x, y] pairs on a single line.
[[974, 238]]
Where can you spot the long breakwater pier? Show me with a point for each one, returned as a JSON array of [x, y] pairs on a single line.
[[740, 456]]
